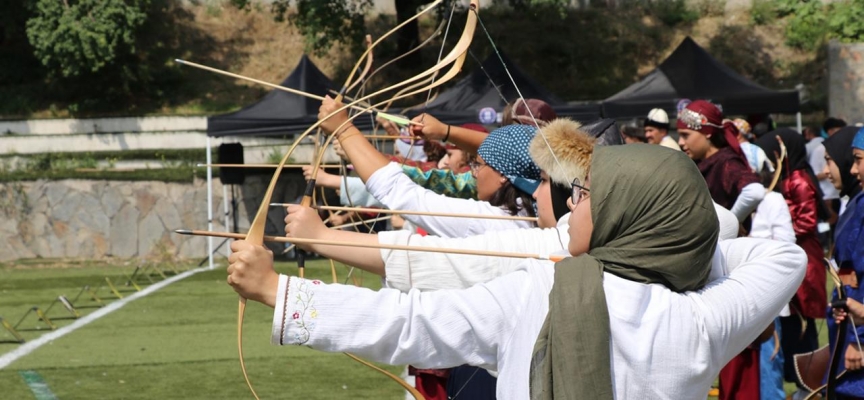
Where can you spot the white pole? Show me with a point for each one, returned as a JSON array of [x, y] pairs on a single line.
[[798, 120], [225, 209], [209, 204]]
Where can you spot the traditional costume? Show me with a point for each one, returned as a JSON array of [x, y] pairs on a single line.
[[733, 185], [849, 246]]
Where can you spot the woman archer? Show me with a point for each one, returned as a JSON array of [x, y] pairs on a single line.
[[631, 315]]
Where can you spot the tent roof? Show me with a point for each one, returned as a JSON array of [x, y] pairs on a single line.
[[279, 112], [489, 86], [691, 73]]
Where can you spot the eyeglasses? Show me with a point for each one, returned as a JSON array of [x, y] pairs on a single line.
[[475, 166], [579, 192]]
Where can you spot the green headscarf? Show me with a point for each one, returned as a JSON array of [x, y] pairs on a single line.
[[654, 222]]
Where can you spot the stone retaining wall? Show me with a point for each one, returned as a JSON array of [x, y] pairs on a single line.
[[95, 219], [846, 81]]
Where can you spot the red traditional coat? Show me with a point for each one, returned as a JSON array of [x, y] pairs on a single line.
[[801, 196]]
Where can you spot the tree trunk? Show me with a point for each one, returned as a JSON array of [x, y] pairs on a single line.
[[409, 36]]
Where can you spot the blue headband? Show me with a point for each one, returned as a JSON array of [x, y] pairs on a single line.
[[506, 150], [858, 141]]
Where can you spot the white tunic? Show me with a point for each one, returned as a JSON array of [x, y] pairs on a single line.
[[772, 219], [670, 143], [398, 192], [664, 345], [433, 271]]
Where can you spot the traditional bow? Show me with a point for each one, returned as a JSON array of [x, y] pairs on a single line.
[[830, 387], [255, 235]]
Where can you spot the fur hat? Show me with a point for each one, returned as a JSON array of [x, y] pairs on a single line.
[[572, 145]]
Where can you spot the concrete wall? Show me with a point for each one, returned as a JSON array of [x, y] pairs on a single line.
[[256, 150], [846, 81], [114, 134], [103, 125], [95, 219]]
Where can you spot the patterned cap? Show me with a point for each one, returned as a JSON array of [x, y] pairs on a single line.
[[506, 150]]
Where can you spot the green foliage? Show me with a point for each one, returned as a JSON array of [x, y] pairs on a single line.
[[176, 166], [323, 23], [84, 35], [673, 12], [130, 44], [846, 21], [708, 8], [180, 175], [811, 23], [807, 26], [764, 12]]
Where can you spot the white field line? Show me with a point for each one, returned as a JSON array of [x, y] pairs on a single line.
[[30, 346]]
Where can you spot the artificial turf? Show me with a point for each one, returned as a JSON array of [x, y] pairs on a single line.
[[179, 342]]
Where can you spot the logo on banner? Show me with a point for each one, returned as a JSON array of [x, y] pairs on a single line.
[[487, 116]]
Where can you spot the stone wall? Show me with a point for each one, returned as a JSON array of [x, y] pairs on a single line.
[[846, 81], [95, 219]]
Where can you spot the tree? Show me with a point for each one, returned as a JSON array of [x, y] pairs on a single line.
[[74, 37], [322, 22]]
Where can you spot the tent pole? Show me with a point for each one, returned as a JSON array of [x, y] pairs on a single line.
[[798, 121], [209, 204]]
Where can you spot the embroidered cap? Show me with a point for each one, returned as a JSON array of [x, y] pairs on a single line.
[[506, 151], [658, 119]]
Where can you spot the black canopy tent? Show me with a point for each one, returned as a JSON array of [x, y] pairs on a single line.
[[280, 113], [462, 103], [691, 73]]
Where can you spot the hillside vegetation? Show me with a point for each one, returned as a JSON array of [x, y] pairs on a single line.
[[586, 54]]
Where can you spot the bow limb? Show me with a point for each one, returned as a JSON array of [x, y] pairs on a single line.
[[366, 68], [435, 33], [456, 57], [388, 33], [428, 40], [779, 168], [840, 341], [255, 236], [830, 387]]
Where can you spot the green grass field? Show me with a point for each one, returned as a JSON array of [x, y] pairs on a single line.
[[179, 342]]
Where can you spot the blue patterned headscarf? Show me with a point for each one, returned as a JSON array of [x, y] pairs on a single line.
[[858, 141], [506, 150]]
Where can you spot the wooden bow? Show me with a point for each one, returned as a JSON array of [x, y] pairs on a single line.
[[779, 168], [255, 235], [830, 387]]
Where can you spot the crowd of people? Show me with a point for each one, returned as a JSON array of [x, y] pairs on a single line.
[[679, 261]]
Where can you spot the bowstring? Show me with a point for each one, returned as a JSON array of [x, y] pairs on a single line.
[[489, 77], [518, 91]]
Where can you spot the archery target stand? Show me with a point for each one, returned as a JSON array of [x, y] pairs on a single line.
[[40, 315], [11, 329], [67, 305]]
